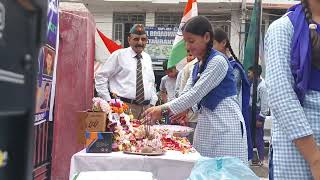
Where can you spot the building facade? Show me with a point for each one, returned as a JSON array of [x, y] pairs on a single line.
[[115, 18]]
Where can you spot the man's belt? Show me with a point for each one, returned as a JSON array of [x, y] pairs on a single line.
[[132, 101]]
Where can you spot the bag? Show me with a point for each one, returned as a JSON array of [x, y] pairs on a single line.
[[224, 168]]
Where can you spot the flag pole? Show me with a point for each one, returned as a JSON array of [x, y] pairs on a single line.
[[258, 5]]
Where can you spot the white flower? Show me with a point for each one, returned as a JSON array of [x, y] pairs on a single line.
[[126, 141], [105, 107], [100, 105]]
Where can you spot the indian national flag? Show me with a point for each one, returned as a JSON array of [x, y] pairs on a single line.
[[103, 48], [179, 53]]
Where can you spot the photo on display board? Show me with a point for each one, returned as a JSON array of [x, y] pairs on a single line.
[[43, 96], [48, 63]]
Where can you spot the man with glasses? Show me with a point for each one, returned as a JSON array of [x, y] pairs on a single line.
[[128, 74]]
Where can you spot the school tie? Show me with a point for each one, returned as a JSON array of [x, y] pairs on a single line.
[[139, 82]]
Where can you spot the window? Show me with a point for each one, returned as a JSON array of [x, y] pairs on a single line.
[[118, 32], [220, 21], [165, 19], [134, 18]]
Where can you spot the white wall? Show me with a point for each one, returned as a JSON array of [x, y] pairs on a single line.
[[235, 31], [104, 22]]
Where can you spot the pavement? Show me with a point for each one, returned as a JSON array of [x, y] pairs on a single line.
[[262, 171]]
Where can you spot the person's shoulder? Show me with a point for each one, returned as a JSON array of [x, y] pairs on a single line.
[[186, 67], [146, 55], [280, 27], [192, 64], [194, 61], [283, 22], [121, 50], [118, 52], [172, 79], [164, 78], [263, 83], [218, 61], [219, 58], [180, 73]]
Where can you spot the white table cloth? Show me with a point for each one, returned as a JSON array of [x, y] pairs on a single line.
[[116, 175], [172, 166]]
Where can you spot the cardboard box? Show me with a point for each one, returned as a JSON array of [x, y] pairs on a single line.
[[99, 142], [91, 122]]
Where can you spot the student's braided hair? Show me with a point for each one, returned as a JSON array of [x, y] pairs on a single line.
[[314, 37], [200, 25], [220, 35], [228, 45]]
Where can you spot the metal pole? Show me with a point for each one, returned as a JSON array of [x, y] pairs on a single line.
[[256, 62]]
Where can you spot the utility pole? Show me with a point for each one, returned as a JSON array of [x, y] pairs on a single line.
[[258, 6]]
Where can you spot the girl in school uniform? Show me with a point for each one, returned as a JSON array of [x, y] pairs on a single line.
[[220, 130], [292, 47]]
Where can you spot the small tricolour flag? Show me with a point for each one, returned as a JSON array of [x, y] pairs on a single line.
[[179, 53], [104, 47]]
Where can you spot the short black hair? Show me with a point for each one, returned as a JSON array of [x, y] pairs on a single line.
[[220, 35], [258, 71]]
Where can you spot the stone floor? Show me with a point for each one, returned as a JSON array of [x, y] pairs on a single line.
[[262, 171]]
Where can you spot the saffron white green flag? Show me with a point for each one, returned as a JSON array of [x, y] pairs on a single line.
[[179, 53]]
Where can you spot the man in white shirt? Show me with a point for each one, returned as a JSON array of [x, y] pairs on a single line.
[[128, 73]]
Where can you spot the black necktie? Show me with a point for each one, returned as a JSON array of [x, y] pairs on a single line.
[[139, 82]]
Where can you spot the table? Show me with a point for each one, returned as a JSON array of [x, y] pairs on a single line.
[[173, 165], [116, 175]]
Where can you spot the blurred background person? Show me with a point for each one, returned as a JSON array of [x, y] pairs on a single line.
[[190, 116], [262, 110]]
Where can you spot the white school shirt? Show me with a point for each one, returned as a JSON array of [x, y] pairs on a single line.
[[118, 75]]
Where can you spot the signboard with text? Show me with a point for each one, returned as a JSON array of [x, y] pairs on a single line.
[[160, 40]]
